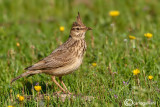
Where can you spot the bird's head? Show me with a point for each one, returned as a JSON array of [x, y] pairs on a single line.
[[78, 29]]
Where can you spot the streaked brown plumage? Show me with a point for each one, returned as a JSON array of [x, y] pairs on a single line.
[[65, 59]]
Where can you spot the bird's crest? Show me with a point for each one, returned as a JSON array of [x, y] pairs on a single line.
[[78, 22]]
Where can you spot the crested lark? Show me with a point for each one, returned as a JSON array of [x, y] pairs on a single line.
[[65, 59]]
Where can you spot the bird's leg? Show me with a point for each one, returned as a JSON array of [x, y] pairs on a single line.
[[54, 80], [60, 78]]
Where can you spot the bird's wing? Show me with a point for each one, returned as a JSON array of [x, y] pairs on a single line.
[[56, 59]]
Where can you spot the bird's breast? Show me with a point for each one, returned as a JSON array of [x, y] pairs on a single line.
[[81, 48]]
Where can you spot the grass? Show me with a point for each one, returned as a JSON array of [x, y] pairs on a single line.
[[35, 26]]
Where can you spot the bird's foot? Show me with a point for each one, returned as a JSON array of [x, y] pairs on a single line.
[[67, 92], [58, 92]]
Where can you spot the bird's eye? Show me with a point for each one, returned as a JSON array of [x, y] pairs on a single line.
[[77, 28]]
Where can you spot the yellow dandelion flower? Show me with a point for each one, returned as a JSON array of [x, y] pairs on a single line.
[[136, 72], [21, 98], [18, 44], [17, 95], [37, 88], [132, 37], [114, 13], [148, 35], [94, 64], [150, 77], [61, 28], [10, 106]]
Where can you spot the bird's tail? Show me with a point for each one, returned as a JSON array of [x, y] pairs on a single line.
[[20, 76], [28, 73]]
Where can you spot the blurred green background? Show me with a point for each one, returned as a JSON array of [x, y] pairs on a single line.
[[29, 31]]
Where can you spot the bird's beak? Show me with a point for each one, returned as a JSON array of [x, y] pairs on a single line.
[[88, 28]]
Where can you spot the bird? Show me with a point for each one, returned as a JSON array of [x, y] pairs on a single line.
[[64, 60]]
